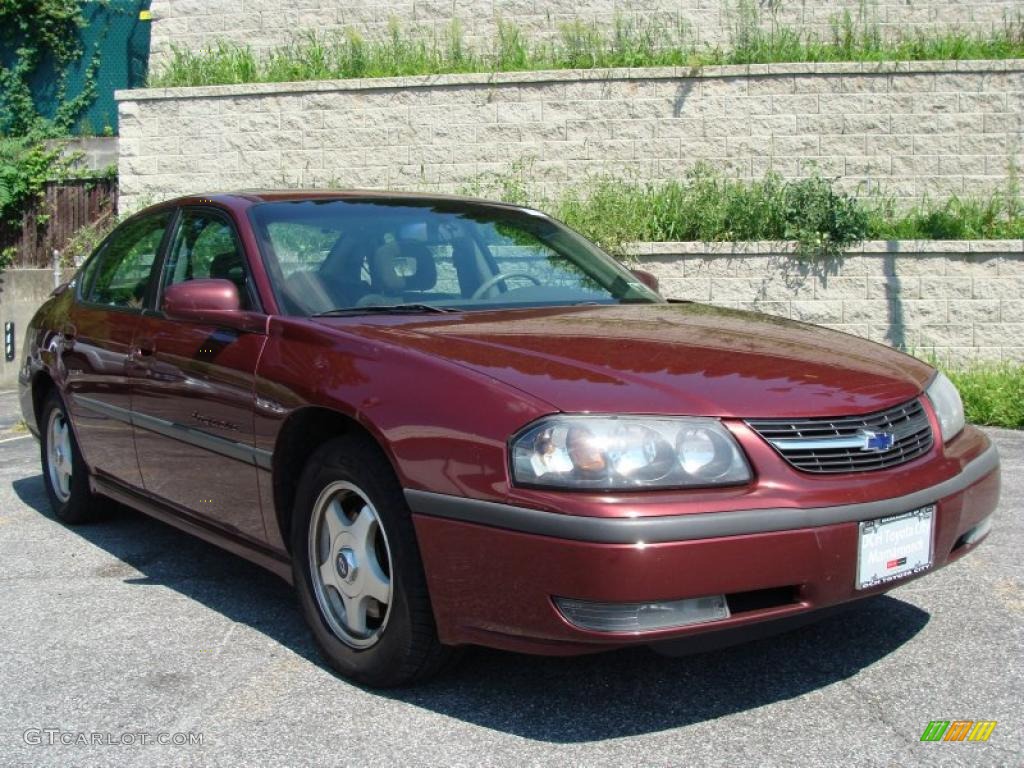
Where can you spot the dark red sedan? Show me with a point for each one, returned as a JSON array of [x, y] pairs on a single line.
[[449, 421]]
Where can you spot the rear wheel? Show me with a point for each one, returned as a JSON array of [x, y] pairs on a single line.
[[64, 472], [357, 568]]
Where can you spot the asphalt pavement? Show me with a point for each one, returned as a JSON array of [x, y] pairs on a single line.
[[121, 635]]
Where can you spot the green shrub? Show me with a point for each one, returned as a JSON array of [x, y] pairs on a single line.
[[25, 166], [43, 35], [993, 393]]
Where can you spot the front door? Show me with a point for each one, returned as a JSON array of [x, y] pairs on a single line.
[[193, 399]]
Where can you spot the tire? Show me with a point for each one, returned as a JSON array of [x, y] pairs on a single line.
[[70, 497], [365, 599]]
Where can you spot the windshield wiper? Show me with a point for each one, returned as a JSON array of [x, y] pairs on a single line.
[[396, 309]]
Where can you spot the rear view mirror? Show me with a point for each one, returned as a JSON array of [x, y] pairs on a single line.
[[646, 278]]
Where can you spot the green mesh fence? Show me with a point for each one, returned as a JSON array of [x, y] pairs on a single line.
[[115, 32]]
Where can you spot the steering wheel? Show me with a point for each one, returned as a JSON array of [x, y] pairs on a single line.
[[500, 278]]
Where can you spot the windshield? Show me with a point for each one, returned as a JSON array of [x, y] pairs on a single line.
[[341, 256]]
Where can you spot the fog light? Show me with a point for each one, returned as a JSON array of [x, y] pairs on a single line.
[[640, 617]]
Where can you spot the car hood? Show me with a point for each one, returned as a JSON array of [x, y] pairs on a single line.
[[690, 359]]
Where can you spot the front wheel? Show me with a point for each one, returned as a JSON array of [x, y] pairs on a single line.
[[357, 568], [64, 472]]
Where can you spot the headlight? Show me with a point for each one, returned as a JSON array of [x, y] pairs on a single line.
[[949, 408], [626, 453]]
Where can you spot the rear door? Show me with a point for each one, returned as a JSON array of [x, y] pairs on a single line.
[[193, 399], [96, 344]]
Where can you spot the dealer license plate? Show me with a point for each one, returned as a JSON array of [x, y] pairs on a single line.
[[893, 548]]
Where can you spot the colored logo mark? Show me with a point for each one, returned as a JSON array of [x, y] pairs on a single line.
[[877, 441], [958, 730]]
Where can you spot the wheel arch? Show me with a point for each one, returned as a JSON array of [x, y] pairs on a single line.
[[303, 431], [42, 385]]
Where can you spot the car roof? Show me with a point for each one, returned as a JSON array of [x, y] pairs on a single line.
[[248, 197]]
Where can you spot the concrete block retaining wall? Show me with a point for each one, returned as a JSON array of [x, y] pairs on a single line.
[[956, 300], [914, 129], [264, 24]]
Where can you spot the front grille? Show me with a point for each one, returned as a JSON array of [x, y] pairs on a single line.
[[838, 444]]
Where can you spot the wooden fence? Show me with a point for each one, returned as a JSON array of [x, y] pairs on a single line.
[[66, 207]]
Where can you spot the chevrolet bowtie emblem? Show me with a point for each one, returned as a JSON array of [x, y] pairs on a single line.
[[877, 441]]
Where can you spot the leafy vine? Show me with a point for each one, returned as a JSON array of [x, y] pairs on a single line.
[[40, 37]]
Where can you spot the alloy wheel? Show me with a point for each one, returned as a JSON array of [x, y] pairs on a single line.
[[350, 564], [58, 455]]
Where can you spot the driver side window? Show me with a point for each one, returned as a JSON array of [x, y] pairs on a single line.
[[205, 246]]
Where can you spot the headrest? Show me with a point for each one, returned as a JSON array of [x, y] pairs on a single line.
[[345, 260], [222, 264], [402, 266]]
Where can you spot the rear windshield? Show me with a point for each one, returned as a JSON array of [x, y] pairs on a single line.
[[330, 255]]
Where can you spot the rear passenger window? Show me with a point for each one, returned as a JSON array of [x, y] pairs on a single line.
[[122, 270]]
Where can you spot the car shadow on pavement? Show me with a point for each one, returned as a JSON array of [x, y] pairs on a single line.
[[558, 700]]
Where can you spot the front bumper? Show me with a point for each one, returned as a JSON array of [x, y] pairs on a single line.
[[493, 569]]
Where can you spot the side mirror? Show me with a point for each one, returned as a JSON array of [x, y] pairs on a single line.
[[210, 301], [646, 278]]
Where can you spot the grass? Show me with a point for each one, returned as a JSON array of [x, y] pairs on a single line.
[[707, 206], [993, 393], [861, 40], [578, 45], [999, 216]]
